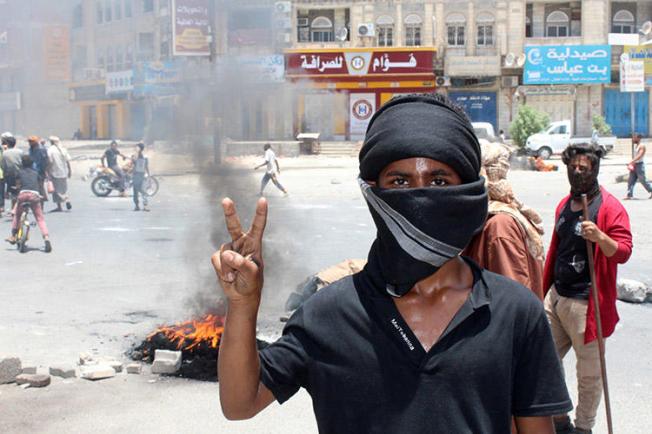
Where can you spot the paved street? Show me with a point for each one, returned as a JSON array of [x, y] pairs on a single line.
[[115, 274]]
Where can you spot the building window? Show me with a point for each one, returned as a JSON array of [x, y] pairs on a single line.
[[321, 30], [100, 58], [623, 22], [148, 6], [100, 12], [145, 46], [557, 25], [385, 31], [119, 59], [107, 11], [109, 59], [117, 9], [129, 57], [77, 17], [128, 7], [485, 35], [455, 29], [413, 30]]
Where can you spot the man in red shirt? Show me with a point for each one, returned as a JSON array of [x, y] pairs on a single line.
[[567, 279]]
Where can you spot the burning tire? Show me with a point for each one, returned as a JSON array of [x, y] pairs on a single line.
[[101, 186]]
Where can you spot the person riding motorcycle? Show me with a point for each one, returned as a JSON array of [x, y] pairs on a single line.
[[111, 157]]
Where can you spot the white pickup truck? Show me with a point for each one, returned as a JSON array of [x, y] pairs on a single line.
[[557, 137]]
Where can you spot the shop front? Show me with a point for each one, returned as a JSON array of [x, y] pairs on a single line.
[[103, 116], [339, 90]]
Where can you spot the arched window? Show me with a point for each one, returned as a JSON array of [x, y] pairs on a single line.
[[485, 34], [413, 24], [557, 25], [623, 22], [455, 29], [321, 30], [384, 31]]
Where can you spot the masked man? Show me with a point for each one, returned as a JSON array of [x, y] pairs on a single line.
[[567, 278], [421, 340]]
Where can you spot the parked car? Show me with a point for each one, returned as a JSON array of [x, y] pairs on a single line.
[[485, 130], [557, 137]]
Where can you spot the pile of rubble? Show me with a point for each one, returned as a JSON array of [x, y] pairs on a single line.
[[634, 291], [89, 367]]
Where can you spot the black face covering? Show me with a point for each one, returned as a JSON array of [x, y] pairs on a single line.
[[420, 229], [584, 183]]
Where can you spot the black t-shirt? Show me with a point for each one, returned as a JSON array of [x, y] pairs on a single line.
[[366, 372], [572, 275], [29, 180], [111, 157]]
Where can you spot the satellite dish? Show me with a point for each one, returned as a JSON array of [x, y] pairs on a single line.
[[510, 59], [521, 60], [341, 34], [646, 28]]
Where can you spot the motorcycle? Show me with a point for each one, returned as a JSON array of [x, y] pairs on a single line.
[[106, 180]]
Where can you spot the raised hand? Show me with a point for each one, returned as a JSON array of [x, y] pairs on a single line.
[[239, 264]]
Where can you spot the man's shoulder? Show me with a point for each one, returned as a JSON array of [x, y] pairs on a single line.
[[505, 291], [333, 298]]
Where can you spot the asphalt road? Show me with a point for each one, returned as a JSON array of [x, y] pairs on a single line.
[[114, 275]]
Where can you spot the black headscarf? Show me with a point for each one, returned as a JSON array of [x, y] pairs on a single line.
[[420, 229]]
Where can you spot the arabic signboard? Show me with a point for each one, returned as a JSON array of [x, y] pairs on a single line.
[[472, 66], [56, 53], [360, 63], [190, 28], [642, 53], [362, 107], [632, 76], [257, 69], [156, 79], [119, 82], [567, 64]]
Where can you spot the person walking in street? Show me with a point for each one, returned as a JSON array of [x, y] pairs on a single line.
[[141, 171], [39, 156], [11, 165], [637, 168], [510, 243], [421, 340], [272, 172], [110, 159], [59, 172], [567, 278], [28, 183]]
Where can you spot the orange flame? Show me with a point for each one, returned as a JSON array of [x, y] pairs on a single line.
[[190, 334]]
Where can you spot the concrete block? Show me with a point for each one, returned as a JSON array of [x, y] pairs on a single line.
[[10, 368], [34, 380], [86, 359], [166, 362], [63, 371], [115, 364], [29, 370], [134, 368], [97, 372]]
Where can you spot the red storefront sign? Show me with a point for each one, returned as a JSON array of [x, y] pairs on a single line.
[[360, 63]]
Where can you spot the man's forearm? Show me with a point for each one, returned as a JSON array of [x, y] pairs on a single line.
[[608, 245], [238, 364]]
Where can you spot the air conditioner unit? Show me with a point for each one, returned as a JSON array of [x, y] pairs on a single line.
[[509, 81], [366, 30], [283, 7], [443, 81], [302, 22]]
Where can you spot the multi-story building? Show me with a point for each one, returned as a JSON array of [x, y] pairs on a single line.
[[478, 51], [35, 68]]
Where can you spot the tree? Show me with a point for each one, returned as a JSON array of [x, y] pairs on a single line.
[[600, 124], [528, 121]]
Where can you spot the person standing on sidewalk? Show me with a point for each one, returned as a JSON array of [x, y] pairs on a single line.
[[637, 168], [60, 171], [567, 278], [273, 170], [141, 171]]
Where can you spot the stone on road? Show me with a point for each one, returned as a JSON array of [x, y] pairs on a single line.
[[63, 371], [10, 368], [97, 372], [34, 380], [166, 362], [633, 291]]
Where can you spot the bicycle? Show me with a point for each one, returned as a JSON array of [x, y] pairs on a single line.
[[24, 227]]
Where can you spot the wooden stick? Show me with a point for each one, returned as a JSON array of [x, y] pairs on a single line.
[[598, 319]]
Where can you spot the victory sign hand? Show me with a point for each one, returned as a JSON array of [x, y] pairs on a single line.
[[239, 264]]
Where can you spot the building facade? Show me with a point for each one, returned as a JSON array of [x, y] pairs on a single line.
[[480, 55]]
